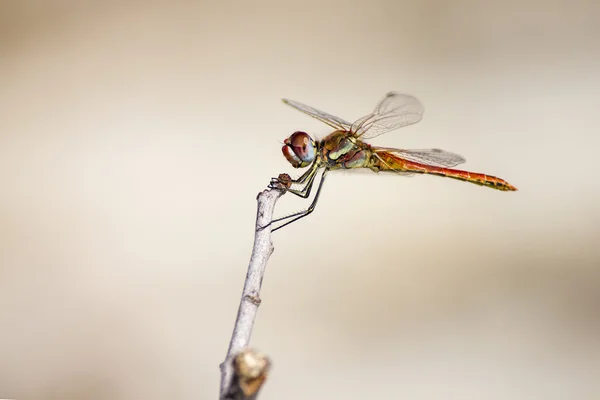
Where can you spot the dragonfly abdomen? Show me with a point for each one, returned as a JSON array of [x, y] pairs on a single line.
[[390, 162], [473, 177]]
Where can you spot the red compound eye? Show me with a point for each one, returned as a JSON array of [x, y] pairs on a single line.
[[299, 149]]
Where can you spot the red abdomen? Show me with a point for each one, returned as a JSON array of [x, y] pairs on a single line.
[[389, 162]]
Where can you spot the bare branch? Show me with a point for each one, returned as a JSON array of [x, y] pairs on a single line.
[[244, 370]]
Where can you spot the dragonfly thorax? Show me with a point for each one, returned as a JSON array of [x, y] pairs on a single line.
[[299, 149]]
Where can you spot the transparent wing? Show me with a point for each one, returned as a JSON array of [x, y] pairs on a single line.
[[331, 120], [433, 157], [394, 111]]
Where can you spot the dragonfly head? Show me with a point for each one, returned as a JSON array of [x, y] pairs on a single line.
[[299, 149]]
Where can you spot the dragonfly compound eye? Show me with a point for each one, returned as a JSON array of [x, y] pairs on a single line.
[[299, 149]]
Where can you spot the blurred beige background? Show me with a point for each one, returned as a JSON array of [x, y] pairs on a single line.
[[135, 135]]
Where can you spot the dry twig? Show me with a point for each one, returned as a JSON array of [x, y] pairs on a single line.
[[244, 370]]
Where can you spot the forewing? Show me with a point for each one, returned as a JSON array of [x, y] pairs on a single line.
[[433, 157], [331, 120], [394, 111]]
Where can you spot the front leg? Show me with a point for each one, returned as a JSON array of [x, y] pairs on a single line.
[[301, 214], [304, 193], [286, 180], [307, 179]]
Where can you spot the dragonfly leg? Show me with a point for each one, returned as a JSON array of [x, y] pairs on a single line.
[[301, 214], [307, 175], [305, 191], [278, 182]]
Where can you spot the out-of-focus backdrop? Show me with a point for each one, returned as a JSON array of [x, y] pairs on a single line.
[[135, 136]]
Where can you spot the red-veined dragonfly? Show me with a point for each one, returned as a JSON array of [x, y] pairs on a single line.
[[345, 148]]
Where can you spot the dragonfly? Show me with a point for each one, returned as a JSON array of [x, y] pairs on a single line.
[[346, 148]]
